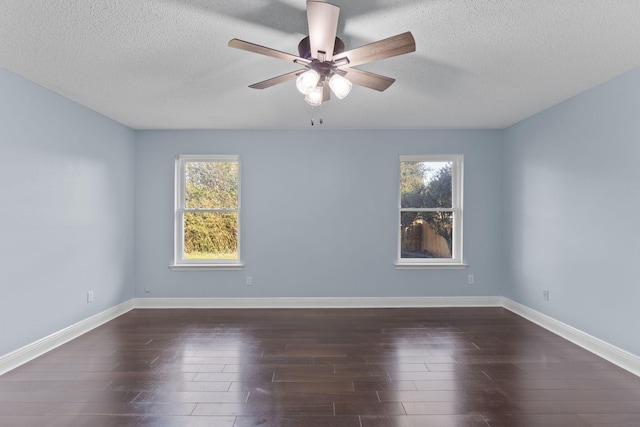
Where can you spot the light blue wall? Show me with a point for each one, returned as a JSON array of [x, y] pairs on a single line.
[[319, 213], [571, 200], [66, 222], [550, 203]]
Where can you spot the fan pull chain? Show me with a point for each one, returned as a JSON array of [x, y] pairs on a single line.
[[320, 119]]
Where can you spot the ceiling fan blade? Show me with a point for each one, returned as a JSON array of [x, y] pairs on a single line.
[[367, 79], [323, 25], [386, 48], [256, 48], [277, 80]]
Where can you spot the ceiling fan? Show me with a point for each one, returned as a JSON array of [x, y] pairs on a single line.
[[327, 66]]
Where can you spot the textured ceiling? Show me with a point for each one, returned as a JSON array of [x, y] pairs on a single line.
[[165, 64]]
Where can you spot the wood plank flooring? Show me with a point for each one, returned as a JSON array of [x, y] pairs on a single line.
[[444, 367]]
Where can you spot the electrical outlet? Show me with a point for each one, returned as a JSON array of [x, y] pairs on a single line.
[[89, 296], [249, 281], [545, 294], [147, 288], [471, 280]]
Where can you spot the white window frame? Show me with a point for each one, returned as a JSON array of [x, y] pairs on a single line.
[[179, 261], [457, 180]]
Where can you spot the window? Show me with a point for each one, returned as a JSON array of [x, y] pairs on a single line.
[[430, 212], [207, 212]]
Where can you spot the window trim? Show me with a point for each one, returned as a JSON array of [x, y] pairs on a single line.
[[179, 262], [457, 184]]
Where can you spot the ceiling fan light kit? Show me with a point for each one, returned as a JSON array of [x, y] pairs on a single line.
[[340, 86], [314, 97], [307, 81], [327, 66]]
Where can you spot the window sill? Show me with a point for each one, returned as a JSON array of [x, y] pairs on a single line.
[[430, 266], [183, 267]]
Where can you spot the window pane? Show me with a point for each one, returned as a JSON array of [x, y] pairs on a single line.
[[426, 234], [211, 235], [425, 184], [211, 185]]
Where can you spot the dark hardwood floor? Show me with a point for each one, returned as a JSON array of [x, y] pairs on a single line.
[[463, 367]]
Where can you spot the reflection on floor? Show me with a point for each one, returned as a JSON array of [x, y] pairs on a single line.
[[462, 367]]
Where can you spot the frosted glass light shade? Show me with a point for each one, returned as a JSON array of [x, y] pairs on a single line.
[[340, 86], [314, 97], [307, 81]]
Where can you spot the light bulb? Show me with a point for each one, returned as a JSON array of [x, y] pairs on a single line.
[[307, 81], [340, 86], [314, 97]]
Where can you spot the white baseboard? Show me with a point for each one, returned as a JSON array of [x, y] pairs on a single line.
[[29, 352], [613, 354], [355, 302], [609, 352]]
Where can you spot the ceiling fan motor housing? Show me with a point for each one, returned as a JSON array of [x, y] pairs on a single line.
[[304, 48]]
